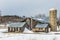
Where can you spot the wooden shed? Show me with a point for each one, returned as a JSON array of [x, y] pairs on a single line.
[[17, 27], [42, 28]]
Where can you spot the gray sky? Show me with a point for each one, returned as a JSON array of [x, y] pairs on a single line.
[[28, 7]]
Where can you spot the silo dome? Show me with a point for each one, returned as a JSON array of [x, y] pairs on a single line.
[[53, 9]]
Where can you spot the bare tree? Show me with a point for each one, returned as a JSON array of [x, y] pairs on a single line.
[[0, 12], [58, 21], [40, 16]]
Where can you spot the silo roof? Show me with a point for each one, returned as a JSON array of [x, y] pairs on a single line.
[[53, 9]]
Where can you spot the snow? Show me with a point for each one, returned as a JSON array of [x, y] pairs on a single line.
[[27, 37], [39, 19], [4, 25], [53, 9], [3, 30], [26, 30], [58, 28], [22, 36]]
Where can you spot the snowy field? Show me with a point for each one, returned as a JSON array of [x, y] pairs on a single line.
[[20, 36]]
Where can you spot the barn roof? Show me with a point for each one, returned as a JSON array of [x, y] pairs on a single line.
[[42, 20], [41, 25], [19, 24]]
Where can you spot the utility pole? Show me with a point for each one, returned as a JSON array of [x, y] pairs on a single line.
[[31, 23]]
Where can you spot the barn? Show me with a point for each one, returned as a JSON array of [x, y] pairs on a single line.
[[16, 27], [42, 28]]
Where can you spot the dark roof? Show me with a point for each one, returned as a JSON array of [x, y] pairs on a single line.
[[19, 24], [41, 25]]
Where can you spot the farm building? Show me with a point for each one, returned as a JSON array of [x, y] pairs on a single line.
[[17, 27], [32, 22], [42, 28]]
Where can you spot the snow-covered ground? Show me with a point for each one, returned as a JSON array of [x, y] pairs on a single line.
[[20, 36]]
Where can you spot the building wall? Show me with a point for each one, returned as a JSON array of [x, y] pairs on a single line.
[[28, 21], [40, 29], [31, 23], [15, 29], [47, 29], [53, 19]]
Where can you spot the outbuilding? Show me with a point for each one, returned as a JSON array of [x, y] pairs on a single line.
[[17, 27], [42, 28]]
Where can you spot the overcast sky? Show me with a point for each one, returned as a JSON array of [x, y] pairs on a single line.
[[28, 7]]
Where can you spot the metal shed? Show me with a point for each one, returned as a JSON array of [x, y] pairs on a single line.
[[42, 28], [16, 27]]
